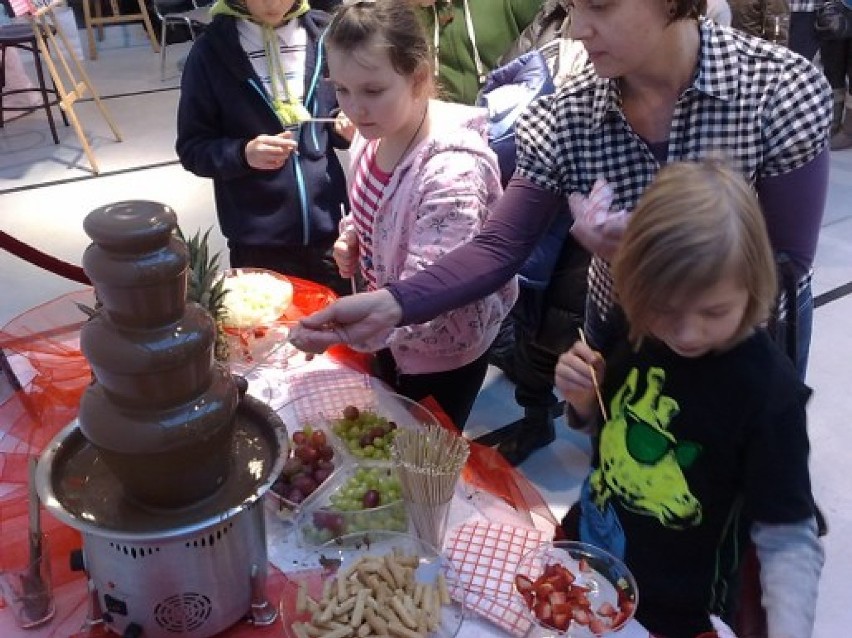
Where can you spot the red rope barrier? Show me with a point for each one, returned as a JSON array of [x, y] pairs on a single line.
[[42, 260]]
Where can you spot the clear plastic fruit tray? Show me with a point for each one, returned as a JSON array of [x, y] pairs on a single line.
[[359, 497], [323, 410]]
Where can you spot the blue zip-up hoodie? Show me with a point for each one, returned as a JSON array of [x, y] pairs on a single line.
[[223, 106]]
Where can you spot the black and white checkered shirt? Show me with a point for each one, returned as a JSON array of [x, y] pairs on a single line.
[[764, 108]]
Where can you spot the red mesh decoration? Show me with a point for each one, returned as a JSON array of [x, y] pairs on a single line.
[[47, 339], [487, 470]]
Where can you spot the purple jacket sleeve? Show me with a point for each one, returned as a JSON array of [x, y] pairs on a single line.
[[793, 204], [478, 268]]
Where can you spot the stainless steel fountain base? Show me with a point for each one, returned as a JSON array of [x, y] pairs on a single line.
[[195, 586], [192, 572]]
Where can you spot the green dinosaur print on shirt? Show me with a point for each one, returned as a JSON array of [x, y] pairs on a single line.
[[641, 461]]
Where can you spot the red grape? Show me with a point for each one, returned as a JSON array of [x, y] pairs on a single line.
[[320, 474], [305, 483], [292, 466], [307, 454], [372, 498]]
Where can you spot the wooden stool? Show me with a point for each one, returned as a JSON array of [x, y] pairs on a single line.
[[99, 20], [20, 35]]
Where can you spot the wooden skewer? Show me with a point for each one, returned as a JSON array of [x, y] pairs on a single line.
[[595, 380]]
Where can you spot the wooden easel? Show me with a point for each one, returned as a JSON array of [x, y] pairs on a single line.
[[99, 20], [45, 24]]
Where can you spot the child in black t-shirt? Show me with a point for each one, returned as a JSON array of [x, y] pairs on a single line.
[[703, 437]]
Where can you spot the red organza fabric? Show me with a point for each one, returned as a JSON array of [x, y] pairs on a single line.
[[47, 339]]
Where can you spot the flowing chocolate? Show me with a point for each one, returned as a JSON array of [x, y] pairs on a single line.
[[160, 411]]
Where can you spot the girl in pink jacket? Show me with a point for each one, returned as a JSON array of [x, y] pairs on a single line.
[[423, 179]]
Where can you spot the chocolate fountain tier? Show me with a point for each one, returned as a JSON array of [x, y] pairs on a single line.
[[168, 457], [80, 489], [152, 368], [137, 265]]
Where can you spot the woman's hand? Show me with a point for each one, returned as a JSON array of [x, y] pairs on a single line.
[[270, 152], [345, 254], [596, 227], [573, 378], [351, 320], [601, 239]]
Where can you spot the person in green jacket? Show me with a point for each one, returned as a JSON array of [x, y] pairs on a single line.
[[469, 37]]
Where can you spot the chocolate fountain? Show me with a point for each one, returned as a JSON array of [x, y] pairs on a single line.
[[164, 468]]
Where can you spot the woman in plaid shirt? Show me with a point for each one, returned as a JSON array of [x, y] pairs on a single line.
[[661, 85]]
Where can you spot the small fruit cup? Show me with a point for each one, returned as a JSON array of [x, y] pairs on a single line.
[[574, 590], [362, 418], [358, 498], [312, 462], [254, 321]]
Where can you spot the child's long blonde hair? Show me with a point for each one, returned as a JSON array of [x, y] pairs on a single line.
[[697, 223]]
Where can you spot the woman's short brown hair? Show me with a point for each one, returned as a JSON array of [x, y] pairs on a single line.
[[696, 223], [682, 9]]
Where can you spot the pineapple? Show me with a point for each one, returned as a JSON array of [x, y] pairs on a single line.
[[205, 287]]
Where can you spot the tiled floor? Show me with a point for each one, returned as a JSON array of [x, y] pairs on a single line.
[[46, 190]]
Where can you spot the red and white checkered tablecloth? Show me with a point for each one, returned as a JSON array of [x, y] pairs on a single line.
[[485, 556]]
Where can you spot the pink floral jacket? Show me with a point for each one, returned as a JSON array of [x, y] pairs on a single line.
[[436, 200]]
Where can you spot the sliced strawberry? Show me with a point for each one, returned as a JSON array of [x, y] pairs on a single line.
[[563, 574], [543, 611], [523, 584], [543, 589], [558, 597], [581, 616], [607, 610], [561, 621], [619, 619], [597, 626], [561, 608]]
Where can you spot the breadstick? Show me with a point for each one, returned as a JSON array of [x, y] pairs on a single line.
[[404, 615], [396, 570], [339, 632], [379, 625], [328, 612], [358, 611], [301, 597], [399, 631], [442, 589]]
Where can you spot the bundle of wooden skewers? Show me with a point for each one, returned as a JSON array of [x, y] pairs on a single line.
[[429, 461]]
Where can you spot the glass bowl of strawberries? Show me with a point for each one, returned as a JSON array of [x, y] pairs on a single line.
[[575, 590]]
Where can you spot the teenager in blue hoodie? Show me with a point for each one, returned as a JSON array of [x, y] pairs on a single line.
[[252, 84]]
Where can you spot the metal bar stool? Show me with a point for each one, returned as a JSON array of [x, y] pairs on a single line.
[[19, 34]]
